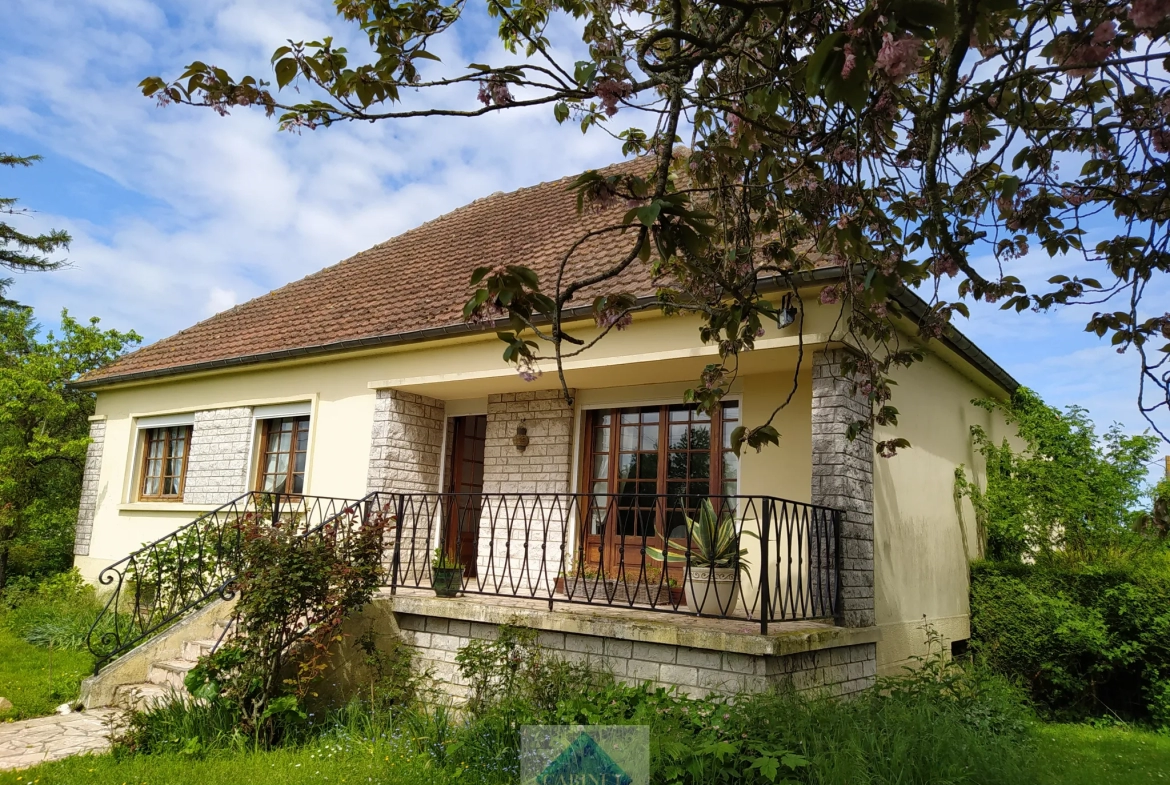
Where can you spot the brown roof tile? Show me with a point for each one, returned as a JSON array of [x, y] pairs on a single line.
[[413, 282]]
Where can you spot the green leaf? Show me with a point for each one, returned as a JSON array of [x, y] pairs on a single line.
[[286, 71], [561, 112], [768, 767], [819, 62], [648, 214]]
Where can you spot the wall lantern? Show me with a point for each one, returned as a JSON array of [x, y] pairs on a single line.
[[786, 313], [521, 437]]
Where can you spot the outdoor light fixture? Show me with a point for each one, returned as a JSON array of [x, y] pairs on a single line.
[[785, 314], [521, 437]]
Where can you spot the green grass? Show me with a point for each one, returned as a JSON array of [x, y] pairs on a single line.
[[325, 762], [1066, 755], [37, 679], [1084, 755]]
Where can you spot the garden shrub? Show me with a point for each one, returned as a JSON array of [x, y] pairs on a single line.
[[57, 612], [1085, 639], [942, 723]]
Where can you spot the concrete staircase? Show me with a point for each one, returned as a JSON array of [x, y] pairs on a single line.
[[165, 677]]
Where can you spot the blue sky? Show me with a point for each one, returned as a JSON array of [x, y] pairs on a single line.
[[177, 213]]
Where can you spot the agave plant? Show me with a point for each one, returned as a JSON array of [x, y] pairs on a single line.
[[712, 542]]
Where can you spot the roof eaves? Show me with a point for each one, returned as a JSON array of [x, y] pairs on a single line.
[[910, 301]]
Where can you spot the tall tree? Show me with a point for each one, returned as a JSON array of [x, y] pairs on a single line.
[[20, 251], [911, 141], [44, 429]]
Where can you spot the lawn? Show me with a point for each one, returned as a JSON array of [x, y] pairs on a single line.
[[325, 761], [37, 679], [1083, 755], [1067, 754]]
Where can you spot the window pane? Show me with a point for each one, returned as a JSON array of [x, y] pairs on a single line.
[[303, 437], [648, 466], [650, 436], [730, 466], [601, 439], [600, 466], [700, 465], [299, 466], [678, 436], [676, 467], [150, 487], [700, 436], [626, 465], [629, 437]]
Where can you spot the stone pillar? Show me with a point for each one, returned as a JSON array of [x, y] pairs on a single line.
[[508, 520], [87, 508], [217, 468], [842, 478], [406, 458]]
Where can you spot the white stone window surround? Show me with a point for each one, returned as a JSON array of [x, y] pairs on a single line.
[[142, 424], [303, 406], [303, 403]]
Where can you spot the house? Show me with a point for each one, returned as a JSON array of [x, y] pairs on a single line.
[[365, 378]]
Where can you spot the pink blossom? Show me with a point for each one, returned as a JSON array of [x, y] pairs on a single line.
[[1083, 59], [850, 61], [1149, 14], [829, 295], [879, 309], [610, 91], [494, 91], [945, 265], [1161, 140], [899, 58]]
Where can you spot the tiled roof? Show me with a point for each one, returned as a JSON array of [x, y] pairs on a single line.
[[414, 282]]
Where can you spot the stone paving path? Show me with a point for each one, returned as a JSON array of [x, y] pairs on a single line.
[[29, 742]]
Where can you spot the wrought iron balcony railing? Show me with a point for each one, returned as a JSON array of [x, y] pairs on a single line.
[[756, 558]]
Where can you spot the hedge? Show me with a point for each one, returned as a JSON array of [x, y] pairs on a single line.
[[1085, 640]]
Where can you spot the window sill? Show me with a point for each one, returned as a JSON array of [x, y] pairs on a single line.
[[166, 507]]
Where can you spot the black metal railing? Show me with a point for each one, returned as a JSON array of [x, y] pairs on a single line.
[[196, 564], [756, 558]]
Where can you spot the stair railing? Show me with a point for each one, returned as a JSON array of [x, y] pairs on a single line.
[[167, 579]]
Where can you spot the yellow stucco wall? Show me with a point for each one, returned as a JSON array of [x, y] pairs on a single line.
[[921, 539], [919, 551], [654, 361]]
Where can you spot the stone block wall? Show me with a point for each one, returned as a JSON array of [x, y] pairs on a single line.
[[543, 467], [842, 478], [841, 670], [406, 457], [89, 487], [217, 468]]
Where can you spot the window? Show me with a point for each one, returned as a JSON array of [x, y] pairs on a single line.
[[164, 463], [284, 446], [647, 465]]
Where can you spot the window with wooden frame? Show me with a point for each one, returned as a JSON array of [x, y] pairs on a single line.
[[164, 463], [284, 446], [647, 466]]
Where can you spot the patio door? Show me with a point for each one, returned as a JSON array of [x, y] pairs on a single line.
[[648, 467], [464, 498]]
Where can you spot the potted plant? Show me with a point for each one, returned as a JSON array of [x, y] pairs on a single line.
[[446, 574], [713, 557]]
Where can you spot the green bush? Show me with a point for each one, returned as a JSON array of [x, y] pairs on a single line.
[[57, 612], [944, 723], [1086, 639]]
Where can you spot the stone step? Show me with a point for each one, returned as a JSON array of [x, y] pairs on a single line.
[[193, 650], [170, 673], [145, 696], [223, 630]]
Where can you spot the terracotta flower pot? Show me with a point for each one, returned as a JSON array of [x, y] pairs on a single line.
[[712, 592]]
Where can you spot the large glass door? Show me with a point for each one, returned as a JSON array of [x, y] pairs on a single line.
[[646, 468]]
